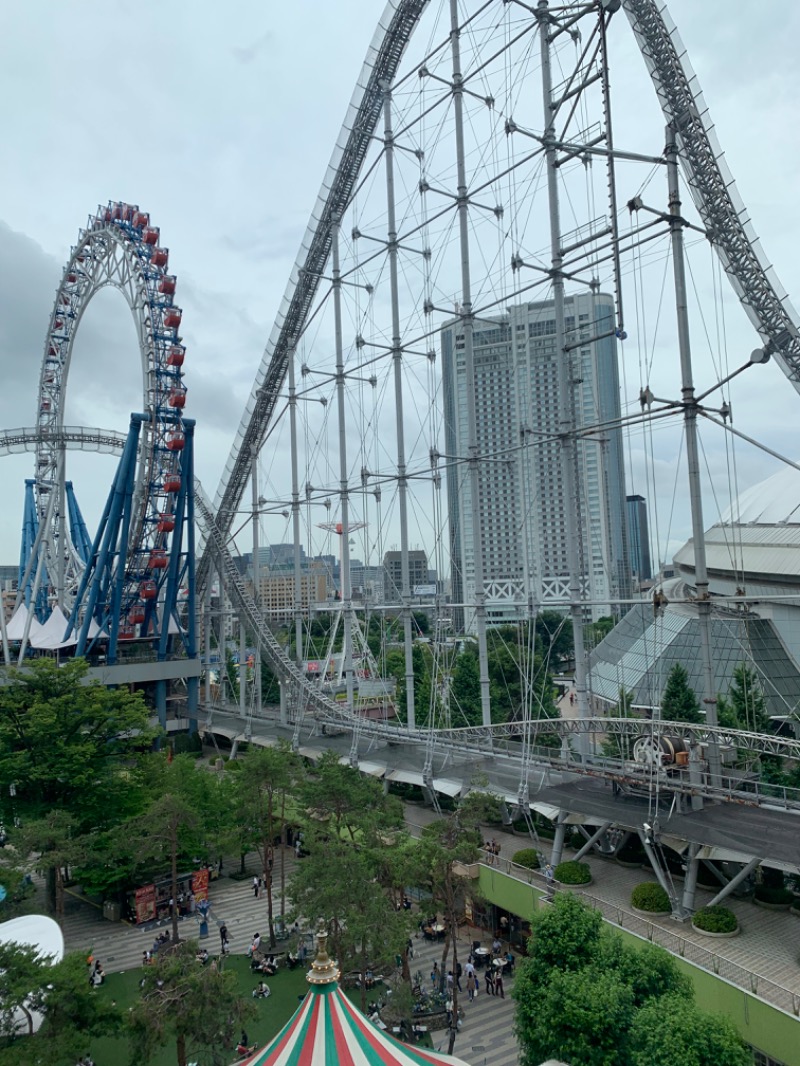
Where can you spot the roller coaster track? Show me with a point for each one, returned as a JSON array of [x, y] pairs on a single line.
[[27, 439], [712, 187]]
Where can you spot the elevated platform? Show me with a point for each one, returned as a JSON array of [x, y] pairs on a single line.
[[744, 831]]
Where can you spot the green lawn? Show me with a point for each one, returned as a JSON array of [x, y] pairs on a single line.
[[286, 987], [273, 1013]]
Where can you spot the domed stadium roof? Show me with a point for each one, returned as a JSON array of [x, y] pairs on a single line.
[[773, 502]]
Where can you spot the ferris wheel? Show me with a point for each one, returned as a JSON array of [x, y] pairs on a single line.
[[122, 576]]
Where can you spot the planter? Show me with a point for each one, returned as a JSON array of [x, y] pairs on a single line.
[[651, 914], [771, 906], [630, 864], [574, 888], [718, 936]]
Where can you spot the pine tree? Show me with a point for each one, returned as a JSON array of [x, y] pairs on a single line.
[[678, 701]]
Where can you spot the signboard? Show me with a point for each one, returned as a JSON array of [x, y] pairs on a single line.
[[200, 885], [424, 590], [145, 903]]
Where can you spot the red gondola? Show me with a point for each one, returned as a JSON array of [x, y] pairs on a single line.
[[125, 632], [150, 235], [166, 523], [136, 615], [172, 319], [45, 405], [59, 322], [175, 441], [177, 397], [172, 483], [167, 284], [72, 278], [140, 219], [158, 559], [53, 350], [116, 212], [159, 257], [148, 590], [176, 355]]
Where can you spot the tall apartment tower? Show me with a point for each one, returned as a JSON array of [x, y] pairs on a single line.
[[639, 535], [522, 504]]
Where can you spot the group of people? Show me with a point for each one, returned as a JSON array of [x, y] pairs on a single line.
[[492, 850]]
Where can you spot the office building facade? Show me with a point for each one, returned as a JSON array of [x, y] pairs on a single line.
[[639, 539], [522, 504]]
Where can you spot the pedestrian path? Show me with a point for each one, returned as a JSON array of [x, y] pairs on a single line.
[[486, 1037], [119, 946]]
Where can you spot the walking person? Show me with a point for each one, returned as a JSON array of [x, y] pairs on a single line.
[[549, 877], [223, 939], [458, 977], [449, 982], [435, 974], [472, 986], [489, 980], [499, 990], [256, 887]]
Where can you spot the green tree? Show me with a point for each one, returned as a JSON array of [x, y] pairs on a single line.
[[564, 937], [72, 1012], [679, 702], [445, 847], [264, 781], [671, 1031], [554, 633], [465, 689], [67, 746], [197, 1007], [746, 697], [579, 1017]]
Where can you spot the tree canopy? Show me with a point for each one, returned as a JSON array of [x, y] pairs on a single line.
[[679, 701], [585, 996]]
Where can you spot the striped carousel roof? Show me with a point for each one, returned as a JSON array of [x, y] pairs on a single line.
[[327, 1030]]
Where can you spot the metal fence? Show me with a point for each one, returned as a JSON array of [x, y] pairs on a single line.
[[774, 994]]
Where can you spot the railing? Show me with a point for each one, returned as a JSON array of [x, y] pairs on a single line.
[[776, 995]]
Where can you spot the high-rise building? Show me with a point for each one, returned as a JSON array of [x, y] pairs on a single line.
[[393, 573], [639, 538], [522, 505]]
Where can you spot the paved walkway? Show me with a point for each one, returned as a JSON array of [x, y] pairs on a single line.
[[762, 959], [767, 946]]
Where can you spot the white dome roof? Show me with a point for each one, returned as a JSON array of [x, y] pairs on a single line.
[[773, 502]]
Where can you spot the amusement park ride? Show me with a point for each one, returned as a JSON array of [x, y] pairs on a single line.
[[431, 113]]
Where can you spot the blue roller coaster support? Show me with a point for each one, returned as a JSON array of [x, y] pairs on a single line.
[[77, 526], [29, 556], [108, 547], [115, 569]]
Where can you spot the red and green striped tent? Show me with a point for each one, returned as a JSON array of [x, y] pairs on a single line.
[[327, 1030]]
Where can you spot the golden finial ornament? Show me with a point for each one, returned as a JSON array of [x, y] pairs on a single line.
[[324, 970]]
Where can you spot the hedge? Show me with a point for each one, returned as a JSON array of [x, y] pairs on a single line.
[[573, 873], [715, 920], [527, 857], [650, 896]]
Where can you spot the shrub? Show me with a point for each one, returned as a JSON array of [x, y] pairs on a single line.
[[527, 857], [715, 920], [650, 896], [573, 873], [779, 896]]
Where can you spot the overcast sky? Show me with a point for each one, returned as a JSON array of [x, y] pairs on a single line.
[[220, 120]]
